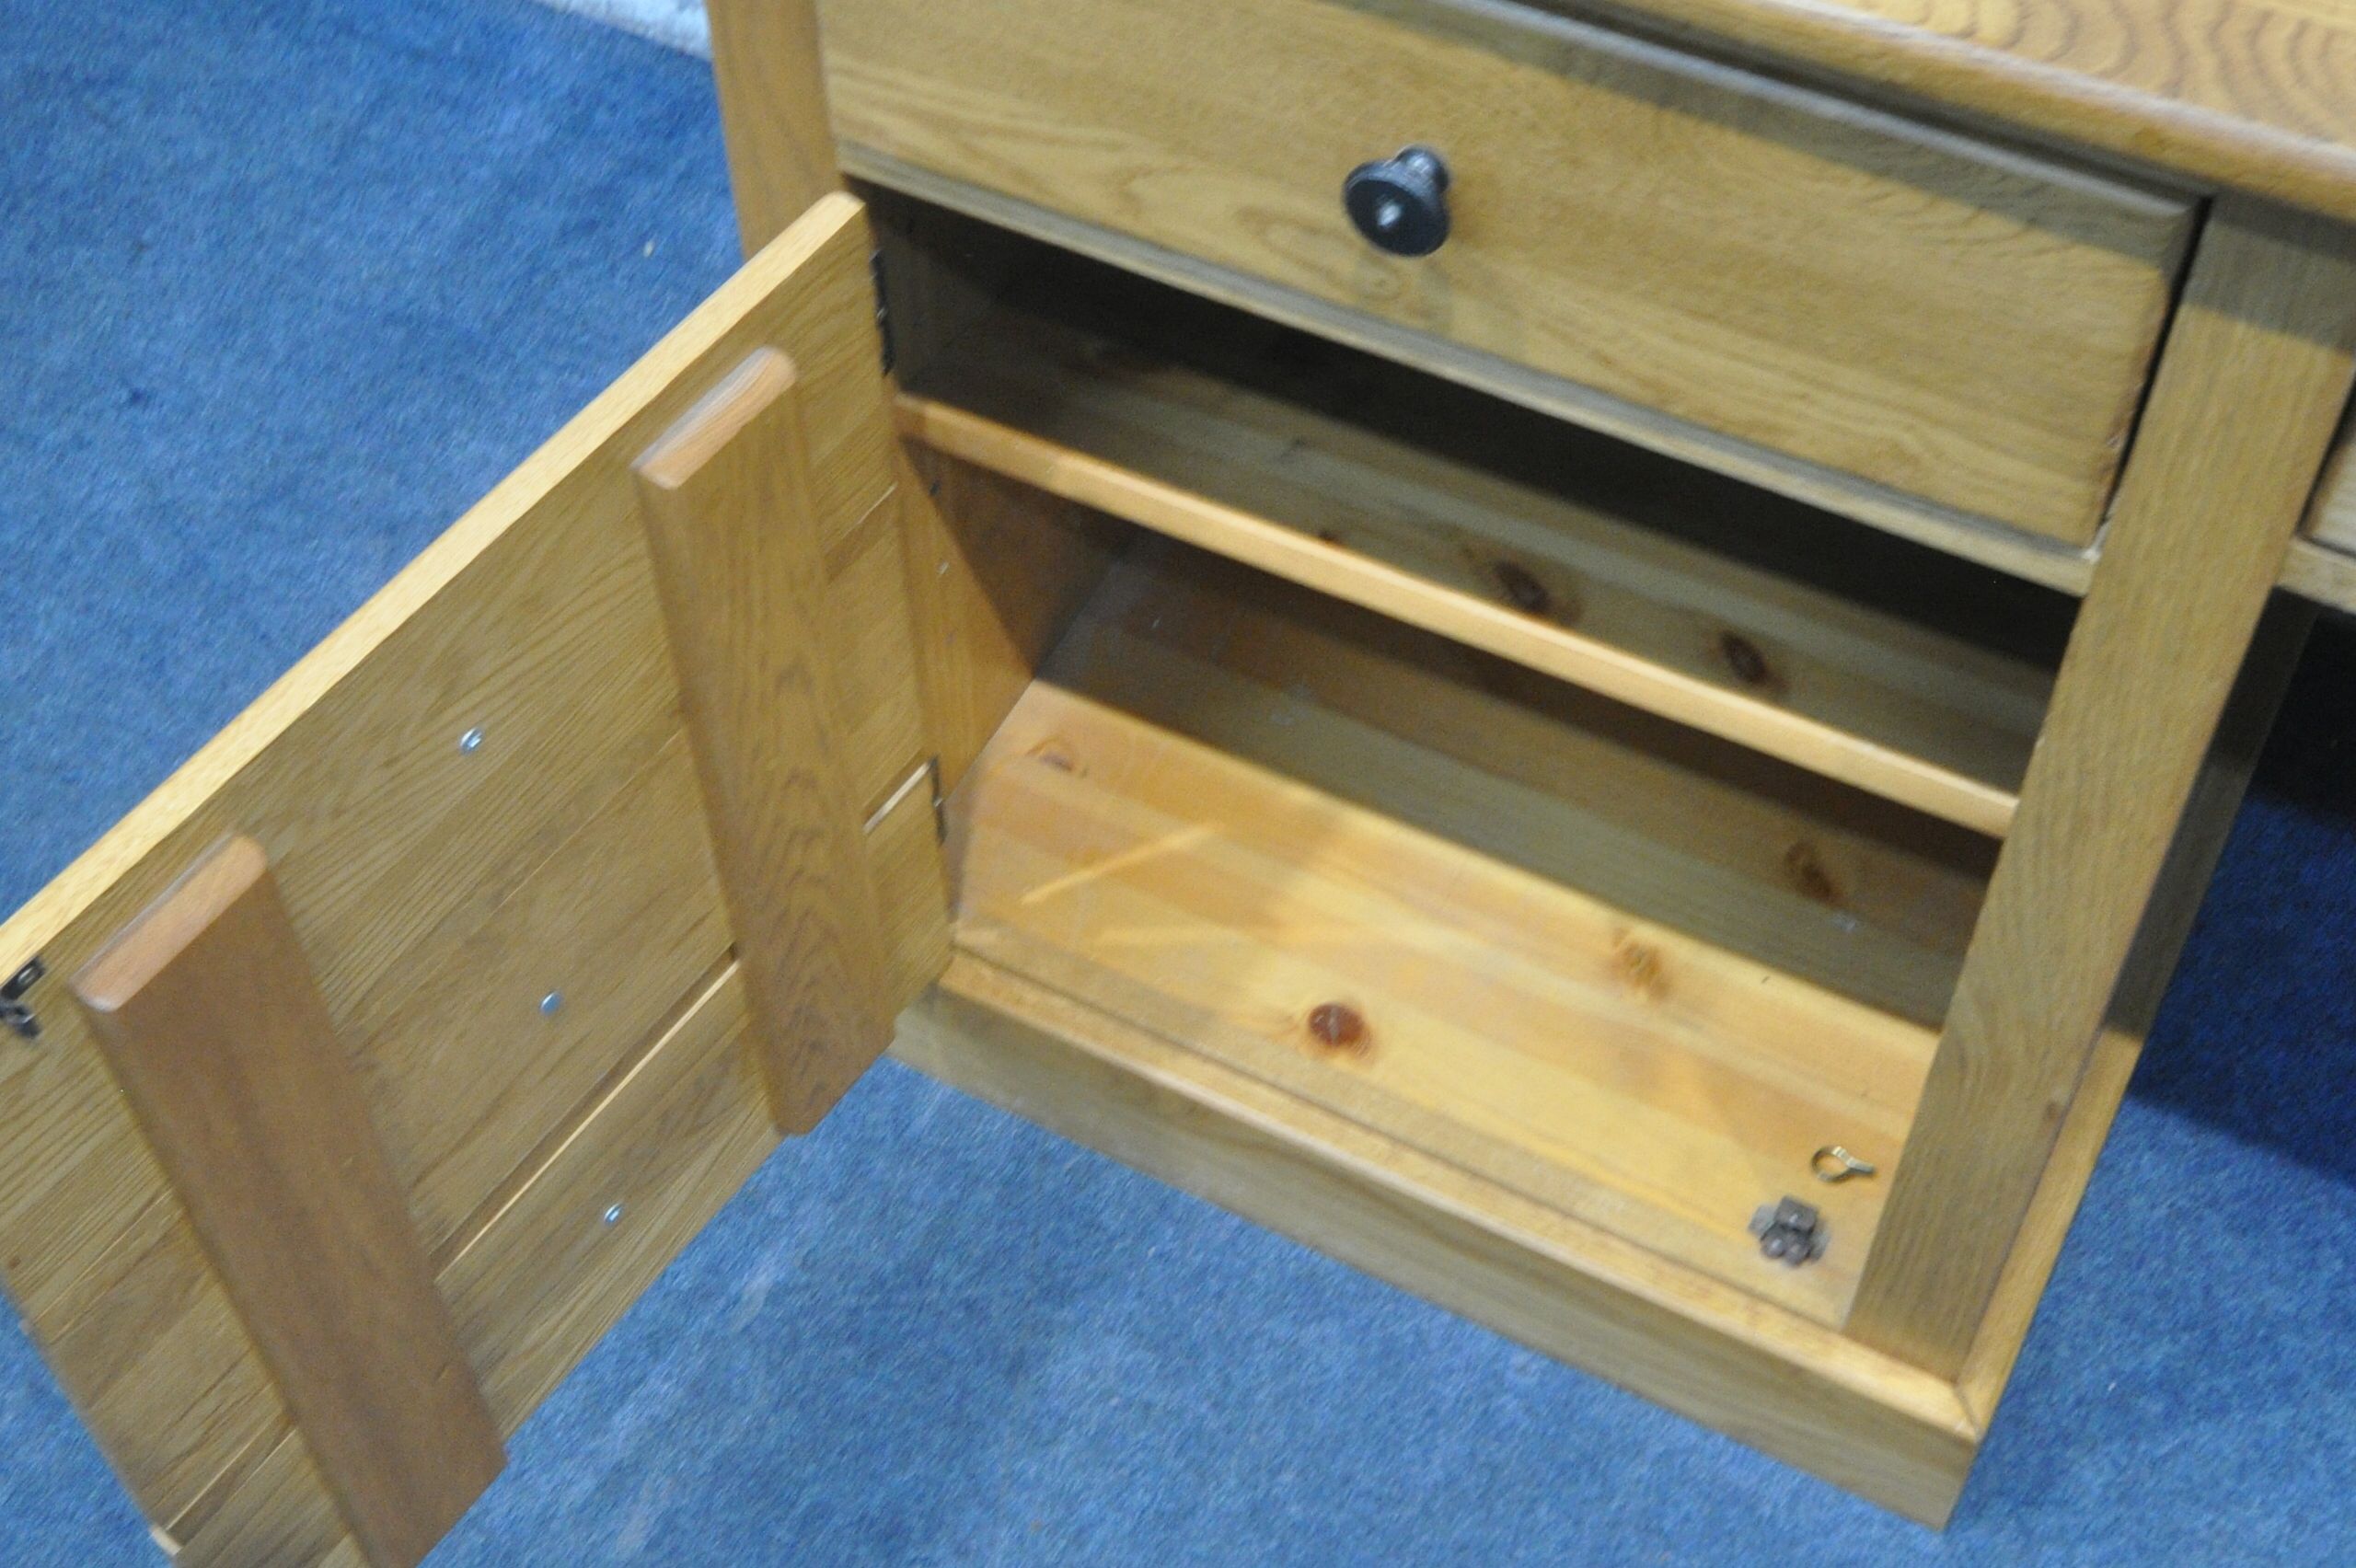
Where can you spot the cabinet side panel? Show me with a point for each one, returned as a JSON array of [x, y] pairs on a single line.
[[2256, 374]]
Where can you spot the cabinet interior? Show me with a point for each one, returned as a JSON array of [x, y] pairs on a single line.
[[1248, 652]]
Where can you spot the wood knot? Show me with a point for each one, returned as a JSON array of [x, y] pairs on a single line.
[[1339, 1028], [1522, 590], [1052, 753], [1640, 965], [1749, 665], [1808, 874]]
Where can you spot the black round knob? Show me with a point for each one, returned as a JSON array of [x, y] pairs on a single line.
[[1401, 203]]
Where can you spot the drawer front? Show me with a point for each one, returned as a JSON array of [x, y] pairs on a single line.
[[1960, 323]]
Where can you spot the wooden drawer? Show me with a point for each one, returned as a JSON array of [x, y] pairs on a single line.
[[1955, 321]]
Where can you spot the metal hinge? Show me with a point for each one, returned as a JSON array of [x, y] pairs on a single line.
[[926, 773], [15, 1011], [883, 310]]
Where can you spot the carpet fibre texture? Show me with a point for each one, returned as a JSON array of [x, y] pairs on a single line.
[[285, 283]]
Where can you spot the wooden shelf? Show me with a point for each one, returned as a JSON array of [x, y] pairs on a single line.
[[1226, 805], [1787, 1384], [1873, 700]]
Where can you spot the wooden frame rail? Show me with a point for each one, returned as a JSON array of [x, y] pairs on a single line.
[[209, 1017], [724, 495], [1718, 709], [2250, 389]]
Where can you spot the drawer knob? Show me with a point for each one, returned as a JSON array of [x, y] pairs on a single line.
[[1400, 204]]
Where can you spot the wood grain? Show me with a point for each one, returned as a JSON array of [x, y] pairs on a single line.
[[772, 112], [464, 1077], [1558, 583], [2257, 372], [1814, 882], [1956, 322], [534, 619], [1609, 1066], [2167, 921], [669, 1141], [213, 1026], [1769, 1376], [666, 1143], [724, 494], [2258, 94], [998, 570]]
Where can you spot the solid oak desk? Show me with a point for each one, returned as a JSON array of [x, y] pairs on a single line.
[[1481, 631]]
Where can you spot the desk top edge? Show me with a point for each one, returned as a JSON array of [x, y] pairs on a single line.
[[2270, 109]]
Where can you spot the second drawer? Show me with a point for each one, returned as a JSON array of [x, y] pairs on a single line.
[[1955, 321]]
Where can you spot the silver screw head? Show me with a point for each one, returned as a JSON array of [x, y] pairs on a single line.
[[471, 741], [614, 1215], [549, 1003]]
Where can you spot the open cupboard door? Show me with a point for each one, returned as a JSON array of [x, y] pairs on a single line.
[[363, 1075]]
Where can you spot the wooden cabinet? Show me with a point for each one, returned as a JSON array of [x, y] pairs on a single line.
[[1494, 764]]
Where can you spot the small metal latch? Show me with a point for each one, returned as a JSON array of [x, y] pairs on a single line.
[[1790, 1231], [1833, 1164], [926, 773], [15, 1011], [883, 311]]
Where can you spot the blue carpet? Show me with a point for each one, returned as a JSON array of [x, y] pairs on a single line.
[[283, 285]]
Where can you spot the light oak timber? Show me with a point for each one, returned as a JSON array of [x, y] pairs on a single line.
[[1051, 340], [912, 892], [2249, 391], [998, 569], [772, 112], [1978, 539], [2168, 921], [464, 1071], [210, 1021], [669, 1142], [868, 657], [2258, 94], [1672, 828], [724, 495], [1179, 824], [1611, 1068], [1771, 1378], [528, 1324], [532, 619], [162, 1356], [618, 921], [1950, 319], [1869, 701]]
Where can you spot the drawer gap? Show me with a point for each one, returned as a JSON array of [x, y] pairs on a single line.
[[1865, 659]]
